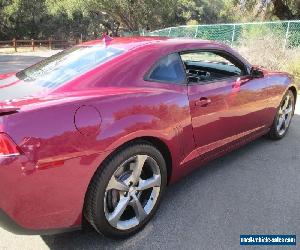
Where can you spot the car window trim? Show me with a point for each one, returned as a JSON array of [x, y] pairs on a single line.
[[216, 50], [235, 59], [186, 82], [233, 78]]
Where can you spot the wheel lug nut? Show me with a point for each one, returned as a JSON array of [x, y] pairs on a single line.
[[126, 193], [130, 184]]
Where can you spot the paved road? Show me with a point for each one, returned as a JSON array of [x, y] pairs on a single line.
[[252, 190], [9, 63], [19, 61]]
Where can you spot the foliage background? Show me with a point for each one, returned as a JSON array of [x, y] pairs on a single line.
[[69, 19], [88, 19]]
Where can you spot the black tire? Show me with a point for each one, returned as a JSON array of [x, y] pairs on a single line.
[[274, 134], [94, 200]]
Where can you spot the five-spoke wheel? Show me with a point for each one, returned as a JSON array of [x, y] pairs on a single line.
[[132, 192], [283, 117], [125, 192]]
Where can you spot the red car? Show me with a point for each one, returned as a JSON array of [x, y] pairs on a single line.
[[98, 131]]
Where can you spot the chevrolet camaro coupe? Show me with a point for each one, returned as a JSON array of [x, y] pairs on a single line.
[[95, 133]]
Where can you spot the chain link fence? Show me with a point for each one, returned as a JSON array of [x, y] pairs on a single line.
[[274, 45], [287, 31]]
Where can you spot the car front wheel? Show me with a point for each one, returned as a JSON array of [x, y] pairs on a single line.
[[283, 117], [125, 192]]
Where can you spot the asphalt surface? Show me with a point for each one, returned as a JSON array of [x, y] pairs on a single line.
[[12, 63], [253, 190]]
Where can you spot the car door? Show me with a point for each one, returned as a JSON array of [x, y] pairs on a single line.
[[167, 75], [226, 103]]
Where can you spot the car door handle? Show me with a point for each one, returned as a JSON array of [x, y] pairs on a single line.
[[203, 102]]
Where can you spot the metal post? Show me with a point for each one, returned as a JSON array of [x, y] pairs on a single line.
[[196, 33], [233, 35], [286, 36], [14, 44], [169, 32], [32, 44], [50, 43]]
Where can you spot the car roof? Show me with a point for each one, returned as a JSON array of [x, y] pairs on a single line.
[[129, 43], [162, 44]]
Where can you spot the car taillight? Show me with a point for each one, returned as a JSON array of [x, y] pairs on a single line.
[[7, 146]]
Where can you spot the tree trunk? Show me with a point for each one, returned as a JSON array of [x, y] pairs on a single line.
[[281, 10], [117, 30]]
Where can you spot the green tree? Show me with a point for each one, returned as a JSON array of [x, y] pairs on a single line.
[[131, 14], [270, 9], [25, 18], [286, 9], [75, 18]]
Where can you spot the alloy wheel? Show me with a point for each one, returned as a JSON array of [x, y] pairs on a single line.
[[285, 115], [132, 192]]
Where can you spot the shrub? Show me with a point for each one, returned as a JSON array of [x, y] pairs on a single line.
[[268, 51], [293, 66]]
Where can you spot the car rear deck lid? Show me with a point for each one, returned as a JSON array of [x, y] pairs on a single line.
[[8, 110]]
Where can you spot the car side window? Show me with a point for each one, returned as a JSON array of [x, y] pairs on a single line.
[[203, 66], [168, 69]]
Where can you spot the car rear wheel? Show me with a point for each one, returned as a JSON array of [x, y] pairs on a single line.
[[125, 192], [283, 117]]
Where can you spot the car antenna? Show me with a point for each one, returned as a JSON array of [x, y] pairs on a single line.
[[106, 38]]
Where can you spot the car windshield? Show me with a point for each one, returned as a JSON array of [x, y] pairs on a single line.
[[54, 71]]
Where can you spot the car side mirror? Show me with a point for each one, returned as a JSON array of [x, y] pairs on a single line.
[[256, 73]]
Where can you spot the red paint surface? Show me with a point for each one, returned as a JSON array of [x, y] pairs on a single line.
[[44, 188]]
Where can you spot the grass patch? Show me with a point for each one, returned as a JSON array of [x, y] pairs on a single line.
[[268, 51]]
